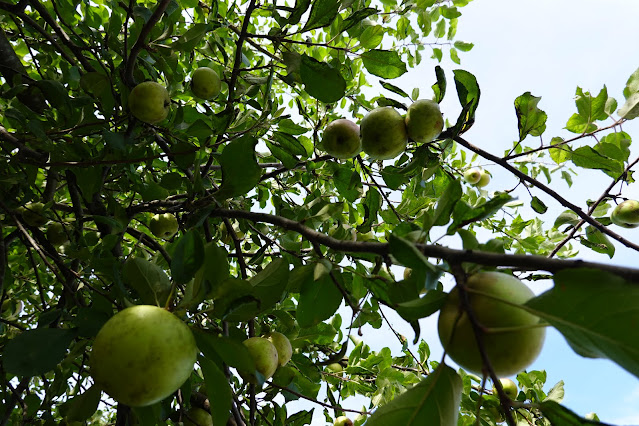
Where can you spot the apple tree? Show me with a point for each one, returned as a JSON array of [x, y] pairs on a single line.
[[128, 178]]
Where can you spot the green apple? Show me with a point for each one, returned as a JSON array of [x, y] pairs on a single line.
[[510, 388], [58, 234], [197, 416], [335, 367], [149, 102], [626, 214], [512, 337], [424, 121], [407, 273], [383, 133], [163, 225], [341, 139], [205, 83], [264, 355], [33, 214], [343, 421], [484, 179], [283, 346], [473, 175], [142, 355]]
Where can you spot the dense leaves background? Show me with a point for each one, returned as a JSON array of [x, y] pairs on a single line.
[[274, 234]]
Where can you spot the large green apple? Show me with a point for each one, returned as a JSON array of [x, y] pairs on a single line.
[[33, 214], [484, 179], [163, 225], [205, 83], [343, 421], [424, 121], [626, 214], [149, 102], [513, 337], [197, 416], [283, 346], [510, 388], [383, 133], [341, 139], [142, 355], [473, 175], [264, 355]]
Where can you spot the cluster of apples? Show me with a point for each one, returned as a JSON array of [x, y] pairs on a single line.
[[268, 353], [477, 176], [150, 102], [384, 133]]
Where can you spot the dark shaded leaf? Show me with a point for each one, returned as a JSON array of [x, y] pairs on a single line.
[[218, 390], [37, 351], [188, 257], [321, 80], [240, 171], [530, 119]]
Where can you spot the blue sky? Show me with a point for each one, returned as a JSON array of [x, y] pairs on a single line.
[[547, 47]]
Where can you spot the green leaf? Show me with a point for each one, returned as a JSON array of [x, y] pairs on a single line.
[[37, 351], [371, 37], [447, 202], [240, 171], [301, 6], [538, 205], [393, 89], [218, 390], [423, 307], [468, 93], [372, 203], [592, 108], [598, 241], [587, 306], [322, 14], [562, 153], [632, 85], [270, 283], [217, 347], [588, 158], [383, 63], [405, 252], [464, 214], [348, 182], [234, 300], [319, 298], [191, 38], [531, 120], [580, 124], [188, 257], [148, 280], [558, 415], [321, 80], [215, 266], [434, 401], [439, 88], [463, 46], [630, 109], [357, 17], [81, 407], [567, 217]]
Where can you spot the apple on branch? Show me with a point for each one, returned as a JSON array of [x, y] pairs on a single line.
[[626, 214], [163, 225], [205, 83], [424, 121], [283, 347], [343, 421], [197, 416], [142, 355], [509, 387], [149, 102], [383, 133], [264, 355], [513, 338], [341, 139]]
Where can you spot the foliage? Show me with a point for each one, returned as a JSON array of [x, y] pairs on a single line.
[[274, 234]]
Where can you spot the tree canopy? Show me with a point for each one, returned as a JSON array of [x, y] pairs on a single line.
[[221, 205]]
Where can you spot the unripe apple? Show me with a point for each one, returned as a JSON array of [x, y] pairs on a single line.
[[512, 337], [205, 83], [383, 133], [341, 139], [163, 225], [33, 214], [473, 175], [510, 388], [197, 416], [407, 273], [343, 421], [264, 355], [142, 355], [626, 214], [424, 121], [57, 234], [283, 346], [335, 367], [484, 179], [149, 102]]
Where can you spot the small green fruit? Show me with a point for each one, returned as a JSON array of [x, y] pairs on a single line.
[[424, 121], [473, 175], [483, 180], [335, 367], [164, 225], [264, 355], [142, 355], [383, 133], [33, 214], [343, 421], [341, 139], [510, 388], [57, 234], [149, 102], [205, 83], [626, 214], [283, 346], [197, 416], [512, 339]]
